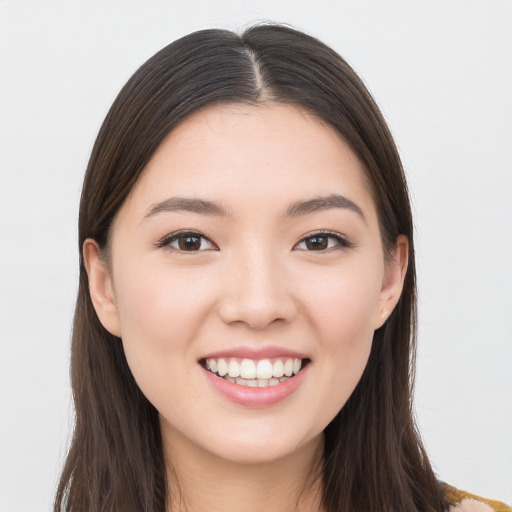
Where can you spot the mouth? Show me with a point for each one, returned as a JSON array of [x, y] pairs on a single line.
[[255, 373]]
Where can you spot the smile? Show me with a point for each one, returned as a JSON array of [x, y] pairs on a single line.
[[255, 373]]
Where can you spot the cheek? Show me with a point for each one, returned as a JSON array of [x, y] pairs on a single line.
[[161, 303], [161, 312], [343, 307], [342, 313]]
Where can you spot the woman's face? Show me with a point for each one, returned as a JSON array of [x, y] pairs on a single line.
[[249, 245]]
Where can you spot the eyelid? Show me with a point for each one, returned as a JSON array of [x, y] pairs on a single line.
[[343, 241], [171, 237]]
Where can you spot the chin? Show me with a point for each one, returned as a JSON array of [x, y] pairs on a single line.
[[254, 448]]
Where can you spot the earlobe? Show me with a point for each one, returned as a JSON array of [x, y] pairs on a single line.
[[393, 283], [101, 288]]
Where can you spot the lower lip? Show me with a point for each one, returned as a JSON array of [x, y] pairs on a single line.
[[255, 397]]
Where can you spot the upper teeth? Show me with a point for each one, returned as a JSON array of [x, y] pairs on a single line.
[[249, 369]]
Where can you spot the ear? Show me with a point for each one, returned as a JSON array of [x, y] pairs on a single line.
[[393, 282], [101, 288]]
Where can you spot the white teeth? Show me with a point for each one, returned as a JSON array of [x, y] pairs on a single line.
[[255, 374], [288, 367], [264, 369], [248, 369], [222, 367], [278, 369], [233, 369]]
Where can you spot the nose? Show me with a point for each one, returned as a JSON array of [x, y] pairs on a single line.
[[257, 293]]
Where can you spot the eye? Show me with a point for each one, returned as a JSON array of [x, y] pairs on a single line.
[[187, 241], [322, 241]]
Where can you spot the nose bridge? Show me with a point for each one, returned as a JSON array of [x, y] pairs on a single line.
[[259, 292]]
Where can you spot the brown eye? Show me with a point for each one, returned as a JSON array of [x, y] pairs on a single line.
[[323, 242], [186, 241], [317, 243], [189, 243]]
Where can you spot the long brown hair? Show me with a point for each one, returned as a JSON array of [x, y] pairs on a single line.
[[373, 457]]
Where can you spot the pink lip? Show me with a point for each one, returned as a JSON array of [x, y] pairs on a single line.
[[255, 397], [256, 353]]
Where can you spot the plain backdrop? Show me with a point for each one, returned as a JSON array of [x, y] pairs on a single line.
[[442, 73]]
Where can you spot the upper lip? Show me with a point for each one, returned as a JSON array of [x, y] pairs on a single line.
[[255, 353]]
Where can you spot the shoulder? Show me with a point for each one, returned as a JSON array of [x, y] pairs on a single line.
[[462, 501]]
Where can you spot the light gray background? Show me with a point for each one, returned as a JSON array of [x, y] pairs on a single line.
[[441, 72]]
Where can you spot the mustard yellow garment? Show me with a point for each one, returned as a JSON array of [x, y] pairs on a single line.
[[455, 496]]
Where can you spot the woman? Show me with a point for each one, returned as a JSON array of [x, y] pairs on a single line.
[[244, 331]]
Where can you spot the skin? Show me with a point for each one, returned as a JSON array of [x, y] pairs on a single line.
[[253, 282]]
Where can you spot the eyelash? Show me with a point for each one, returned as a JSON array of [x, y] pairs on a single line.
[[340, 241], [167, 240]]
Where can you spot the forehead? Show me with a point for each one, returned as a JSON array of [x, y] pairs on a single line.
[[270, 152]]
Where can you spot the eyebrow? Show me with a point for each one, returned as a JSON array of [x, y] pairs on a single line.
[[184, 204], [319, 204], [296, 209]]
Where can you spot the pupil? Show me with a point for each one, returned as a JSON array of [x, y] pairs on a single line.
[[316, 243], [189, 243]]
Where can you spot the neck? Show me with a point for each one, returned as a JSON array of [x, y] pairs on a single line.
[[199, 481]]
